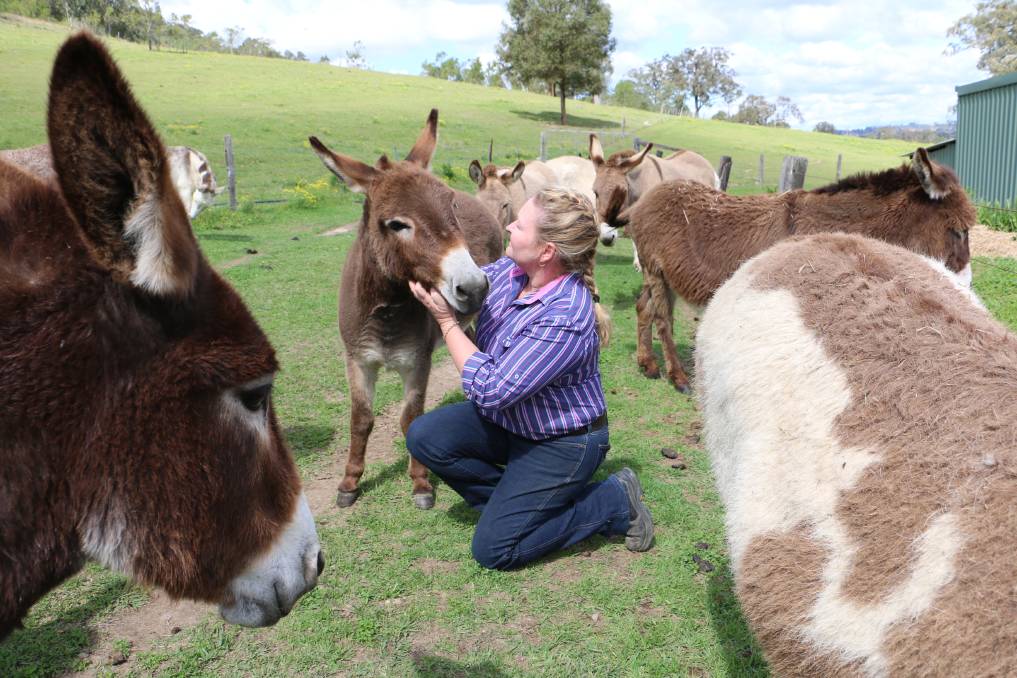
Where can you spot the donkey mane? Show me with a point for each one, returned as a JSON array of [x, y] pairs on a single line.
[[886, 182]]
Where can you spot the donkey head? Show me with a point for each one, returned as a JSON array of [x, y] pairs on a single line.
[[611, 185], [944, 214], [493, 189], [409, 225], [136, 426]]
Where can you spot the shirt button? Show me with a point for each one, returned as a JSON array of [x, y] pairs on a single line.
[[506, 343]]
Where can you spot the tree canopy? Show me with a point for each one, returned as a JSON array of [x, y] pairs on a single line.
[[992, 30], [565, 44]]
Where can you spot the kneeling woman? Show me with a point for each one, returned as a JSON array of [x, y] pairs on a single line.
[[524, 446]]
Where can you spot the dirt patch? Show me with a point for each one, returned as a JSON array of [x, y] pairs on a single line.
[[162, 617], [986, 242], [341, 230], [233, 263], [432, 567]]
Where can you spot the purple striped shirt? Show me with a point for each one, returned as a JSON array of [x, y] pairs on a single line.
[[536, 373]]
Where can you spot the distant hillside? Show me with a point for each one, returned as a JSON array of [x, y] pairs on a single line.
[[913, 131], [270, 106]]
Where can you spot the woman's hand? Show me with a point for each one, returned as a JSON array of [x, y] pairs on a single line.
[[435, 303]]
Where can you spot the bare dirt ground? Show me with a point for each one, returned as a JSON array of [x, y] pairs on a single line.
[[162, 617], [988, 243]]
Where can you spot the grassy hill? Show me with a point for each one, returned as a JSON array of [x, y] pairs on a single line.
[[270, 106]]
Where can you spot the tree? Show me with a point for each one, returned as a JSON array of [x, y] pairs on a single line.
[[825, 127], [992, 30], [785, 111], [323, 59], [355, 56], [494, 75], [443, 67], [565, 43], [706, 75], [662, 86], [233, 35], [626, 93], [755, 110], [472, 71]]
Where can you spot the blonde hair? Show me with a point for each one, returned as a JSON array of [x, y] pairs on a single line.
[[569, 222]]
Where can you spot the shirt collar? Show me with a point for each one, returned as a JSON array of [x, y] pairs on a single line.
[[542, 292]]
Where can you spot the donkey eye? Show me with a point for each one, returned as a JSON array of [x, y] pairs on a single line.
[[255, 399], [396, 225]]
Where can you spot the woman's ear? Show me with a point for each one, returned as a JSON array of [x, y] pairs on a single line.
[[548, 253]]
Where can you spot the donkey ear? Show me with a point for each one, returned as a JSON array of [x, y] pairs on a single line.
[[477, 173], [424, 148], [596, 150], [355, 174], [631, 162], [517, 171], [932, 181], [115, 175]]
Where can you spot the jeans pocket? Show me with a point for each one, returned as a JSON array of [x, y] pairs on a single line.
[[604, 448]]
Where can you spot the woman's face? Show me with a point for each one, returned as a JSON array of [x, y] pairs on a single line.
[[525, 247]]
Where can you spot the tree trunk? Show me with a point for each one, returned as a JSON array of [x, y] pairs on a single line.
[[561, 96]]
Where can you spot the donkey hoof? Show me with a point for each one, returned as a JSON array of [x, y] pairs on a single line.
[[345, 499], [683, 387], [424, 500], [651, 372]]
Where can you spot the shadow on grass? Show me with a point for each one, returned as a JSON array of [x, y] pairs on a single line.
[[430, 666], [741, 653], [309, 440], [397, 469], [554, 118], [55, 647]]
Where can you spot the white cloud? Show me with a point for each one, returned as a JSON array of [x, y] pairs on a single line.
[[317, 26]]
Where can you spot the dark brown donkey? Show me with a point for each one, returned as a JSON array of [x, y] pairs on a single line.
[[413, 227], [692, 238], [136, 423]]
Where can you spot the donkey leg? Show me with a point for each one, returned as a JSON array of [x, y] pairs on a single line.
[[664, 318], [635, 259], [644, 333], [414, 391], [361, 378]]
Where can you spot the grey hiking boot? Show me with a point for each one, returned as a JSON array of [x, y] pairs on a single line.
[[640, 534]]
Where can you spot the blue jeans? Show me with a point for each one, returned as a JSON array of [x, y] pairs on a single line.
[[535, 496]]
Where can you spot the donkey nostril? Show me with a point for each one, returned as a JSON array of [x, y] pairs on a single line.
[[460, 292], [321, 562]]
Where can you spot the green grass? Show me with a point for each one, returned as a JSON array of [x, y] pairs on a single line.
[[401, 595]]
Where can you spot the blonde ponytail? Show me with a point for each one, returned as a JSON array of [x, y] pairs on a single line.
[[570, 222]]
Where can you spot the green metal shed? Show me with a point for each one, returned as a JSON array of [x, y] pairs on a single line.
[[986, 148]]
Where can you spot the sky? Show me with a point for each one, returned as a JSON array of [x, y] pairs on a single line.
[[850, 63]]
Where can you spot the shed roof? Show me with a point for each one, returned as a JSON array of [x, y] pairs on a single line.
[[989, 83]]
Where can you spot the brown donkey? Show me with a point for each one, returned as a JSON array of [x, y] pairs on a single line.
[[504, 190], [413, 227], [692, 238], [859, 413], [136, 422]]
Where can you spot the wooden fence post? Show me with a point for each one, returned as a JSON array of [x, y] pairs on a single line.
[[231, 172], [543, 147], [839, 159], [637, 143], [762, 178], [725, 171], [792, 174]]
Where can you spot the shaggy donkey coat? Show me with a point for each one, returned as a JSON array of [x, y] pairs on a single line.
[[136, 423], [413, 227], [860, 415], [692, 238]]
